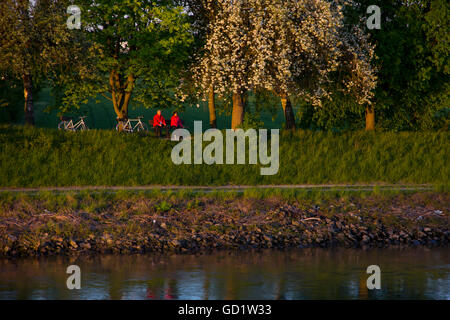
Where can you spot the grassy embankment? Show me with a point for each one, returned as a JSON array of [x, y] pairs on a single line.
[[45, 157]]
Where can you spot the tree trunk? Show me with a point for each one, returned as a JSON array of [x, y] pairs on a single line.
[[28, 95], [237, 117], [212, 109], [370, 118], [288, 113], [121, 94]]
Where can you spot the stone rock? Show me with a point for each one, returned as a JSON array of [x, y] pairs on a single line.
[[86, 245], [73, 244], [365, 239]]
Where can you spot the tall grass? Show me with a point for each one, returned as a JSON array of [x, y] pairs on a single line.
[[32, 157], [95, 201]]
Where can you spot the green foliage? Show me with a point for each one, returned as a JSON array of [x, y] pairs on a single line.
[[413, 87], [157, 41], [38, 42], [413, 57], [163, 206], [251, 121], [11, 100], [340, 113], [44, 157], [149, 40], [33, 37]]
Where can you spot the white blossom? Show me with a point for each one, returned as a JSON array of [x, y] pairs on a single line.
[[290, 47]]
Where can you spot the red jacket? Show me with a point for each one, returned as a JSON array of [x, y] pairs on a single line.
[[175, 121], [158, 120]]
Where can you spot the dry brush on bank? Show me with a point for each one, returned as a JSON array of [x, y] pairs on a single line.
[[73, 224]]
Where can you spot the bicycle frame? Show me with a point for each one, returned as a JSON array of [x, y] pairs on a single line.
[[68, 125], [128, 125], [78, 124], [139, 122]]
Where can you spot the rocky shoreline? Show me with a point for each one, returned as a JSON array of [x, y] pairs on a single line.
[[141, 225]]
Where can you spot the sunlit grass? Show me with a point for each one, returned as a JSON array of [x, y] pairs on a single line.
[[45, 157]]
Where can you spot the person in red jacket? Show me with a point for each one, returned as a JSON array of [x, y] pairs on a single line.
[[175, 121], [158, 122]]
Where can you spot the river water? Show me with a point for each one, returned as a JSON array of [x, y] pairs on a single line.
[[418, 273]]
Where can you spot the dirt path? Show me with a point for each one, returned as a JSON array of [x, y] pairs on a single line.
[[235, 188]]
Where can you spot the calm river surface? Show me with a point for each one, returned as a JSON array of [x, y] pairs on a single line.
[[295, 274]]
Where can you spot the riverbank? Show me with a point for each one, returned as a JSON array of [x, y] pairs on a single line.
[[73, 223]]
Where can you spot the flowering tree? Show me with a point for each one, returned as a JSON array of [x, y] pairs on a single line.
[[289, 47], [295, 46], [226, 62], [202, 15]]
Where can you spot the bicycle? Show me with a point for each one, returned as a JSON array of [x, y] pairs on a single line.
[[127, 125], [67, 124]]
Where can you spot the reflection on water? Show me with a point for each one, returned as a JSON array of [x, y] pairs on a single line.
[[295, 274]]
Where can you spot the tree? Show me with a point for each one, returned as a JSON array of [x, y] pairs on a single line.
[[141, 45], [35, 43], [225, 61], [202, 15], [413, 61], [285, 41], [304, 49], [11, 99], [291, 48]]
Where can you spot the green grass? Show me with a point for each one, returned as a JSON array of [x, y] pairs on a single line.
[[33, 157], [96, 201]]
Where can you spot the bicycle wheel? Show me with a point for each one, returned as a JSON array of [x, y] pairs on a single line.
[[83, 127], [128, 128], [141, 127], [62, 125], [124, 127]]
